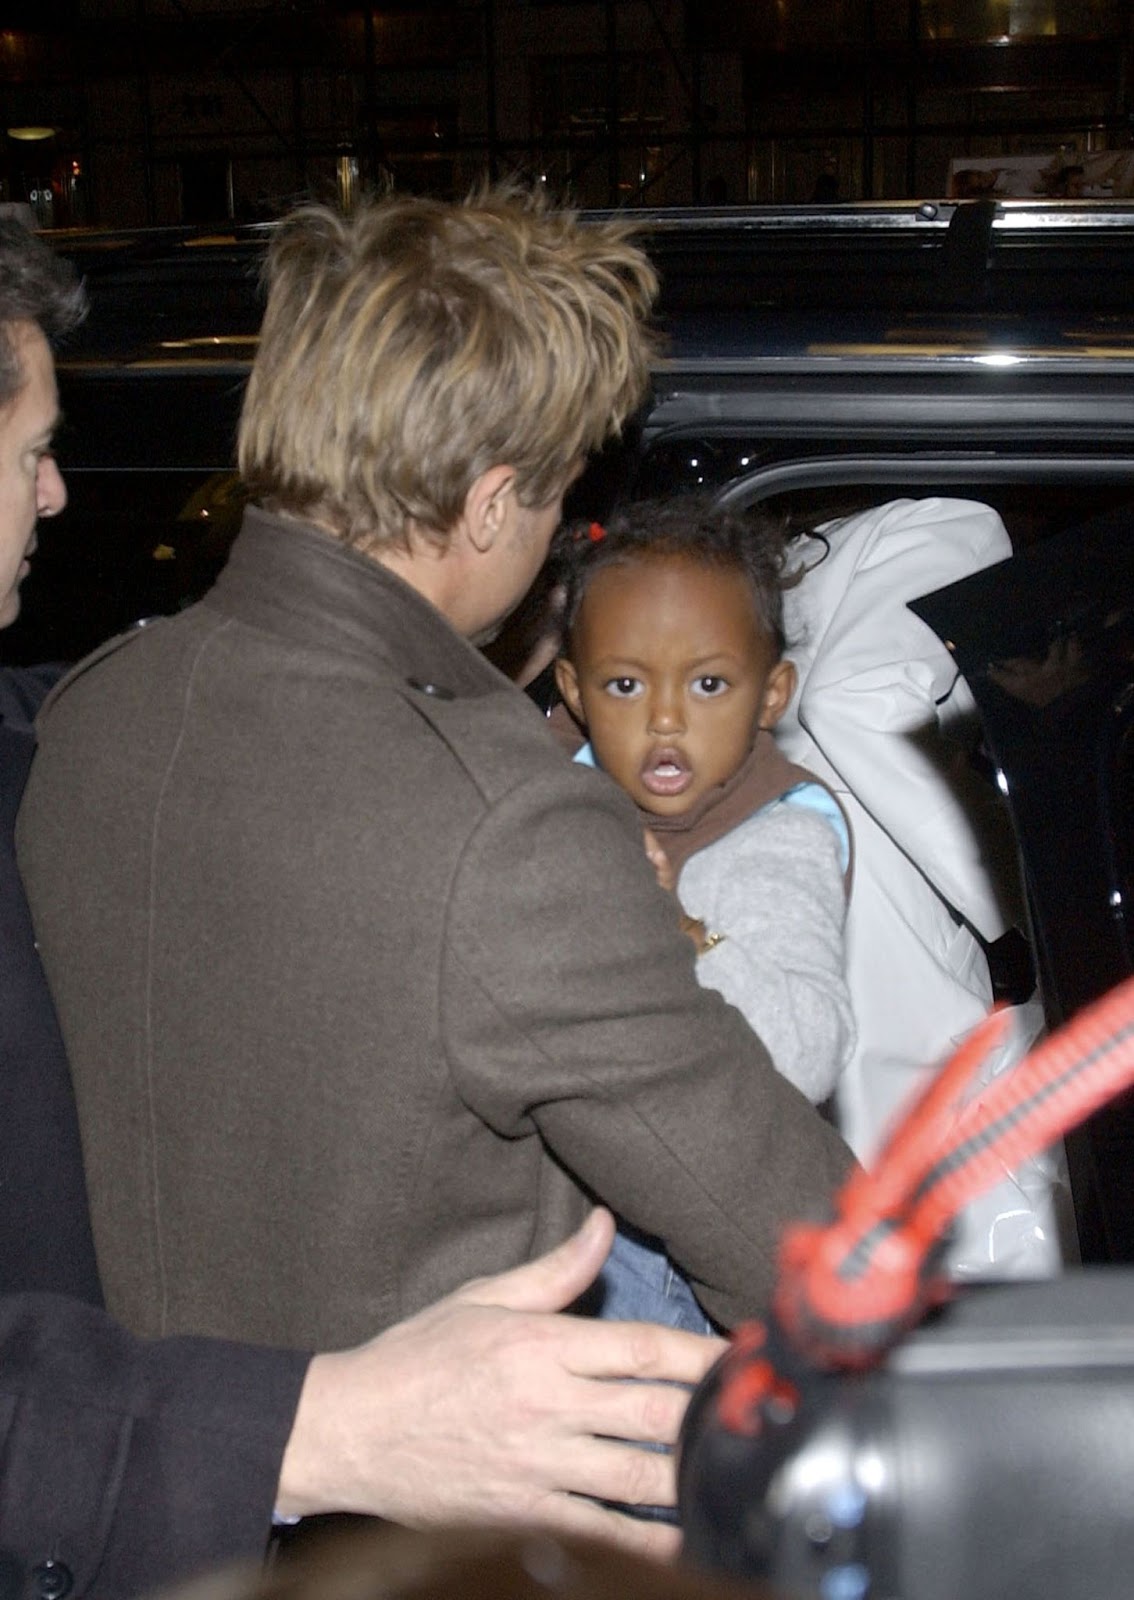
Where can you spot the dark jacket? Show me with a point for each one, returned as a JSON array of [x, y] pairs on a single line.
[[45, 1236], [123, 1464], [366, 987]]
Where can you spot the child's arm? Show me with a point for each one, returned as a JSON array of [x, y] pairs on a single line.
[[774, 889]]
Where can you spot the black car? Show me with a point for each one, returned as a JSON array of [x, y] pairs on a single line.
[[816, 362], [813, 359]]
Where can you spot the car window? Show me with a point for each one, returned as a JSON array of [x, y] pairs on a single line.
[[1037, 495]]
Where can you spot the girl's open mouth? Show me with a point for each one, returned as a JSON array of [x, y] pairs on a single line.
[[666, 773]]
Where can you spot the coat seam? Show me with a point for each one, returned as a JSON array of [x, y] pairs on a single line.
[[147, 1015]]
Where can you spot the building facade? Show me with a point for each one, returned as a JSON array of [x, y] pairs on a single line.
[[119, 113]]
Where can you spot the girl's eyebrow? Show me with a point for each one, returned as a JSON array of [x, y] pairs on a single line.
[[715, 655], [605, 663], [698, 664]]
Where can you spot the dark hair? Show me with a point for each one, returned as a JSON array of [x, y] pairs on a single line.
[[690, 526], [37, 286]]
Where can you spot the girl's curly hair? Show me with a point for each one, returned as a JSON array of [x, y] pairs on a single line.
[[690, 526]]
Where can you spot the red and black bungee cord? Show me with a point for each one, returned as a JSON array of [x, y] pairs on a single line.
[[850, 1287]]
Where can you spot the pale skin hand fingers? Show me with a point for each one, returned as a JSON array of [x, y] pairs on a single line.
[[470, 1412], [646, 1411], [607, 1469], [637, 1350], [570, 1514], [573, 1367], [473, 1409], [553, 1280], [591, 1349], [586, 1347]]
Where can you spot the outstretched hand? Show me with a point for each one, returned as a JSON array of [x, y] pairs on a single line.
[[489, 1407]]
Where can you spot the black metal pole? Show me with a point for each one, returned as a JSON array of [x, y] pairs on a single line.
[[613, 116], [491, 107], [147, 116], [370, 82], [698, 125], [913, 73], [868, 104]]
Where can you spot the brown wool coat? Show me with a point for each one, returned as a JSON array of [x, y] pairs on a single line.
[[366, 988]]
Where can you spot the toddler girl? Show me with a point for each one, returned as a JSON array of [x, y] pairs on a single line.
[[673, 666]]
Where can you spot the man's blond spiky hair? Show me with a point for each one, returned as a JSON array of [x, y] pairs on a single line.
[[410, 347]]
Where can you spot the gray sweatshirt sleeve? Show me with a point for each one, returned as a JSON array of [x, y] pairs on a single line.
[[774, 888]]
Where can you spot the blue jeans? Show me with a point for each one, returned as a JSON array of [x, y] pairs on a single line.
[[641, 1284]]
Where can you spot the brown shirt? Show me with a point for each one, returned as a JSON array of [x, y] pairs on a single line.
[[366, 988]]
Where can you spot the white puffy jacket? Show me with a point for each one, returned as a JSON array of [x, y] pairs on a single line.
[[876, 694]]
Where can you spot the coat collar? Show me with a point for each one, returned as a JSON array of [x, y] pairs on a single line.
[[302, 584]]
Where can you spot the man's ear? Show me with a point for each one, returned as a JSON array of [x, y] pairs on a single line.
[[777, 693], [487, 506], [567, 682]]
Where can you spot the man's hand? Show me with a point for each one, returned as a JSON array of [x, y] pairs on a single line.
[[487, 1408]]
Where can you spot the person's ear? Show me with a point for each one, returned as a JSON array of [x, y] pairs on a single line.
[[777, 693], [488, 505], [567, 682]]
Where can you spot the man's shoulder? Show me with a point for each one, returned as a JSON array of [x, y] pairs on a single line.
[[84, 671], [500, 739]]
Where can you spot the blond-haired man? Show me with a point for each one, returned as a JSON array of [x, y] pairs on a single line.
[[365, 987], [129, 1462]]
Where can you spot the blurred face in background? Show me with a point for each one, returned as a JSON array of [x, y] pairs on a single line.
[[30, 483]]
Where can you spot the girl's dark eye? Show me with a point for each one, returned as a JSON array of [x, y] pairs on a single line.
[[622, 688]]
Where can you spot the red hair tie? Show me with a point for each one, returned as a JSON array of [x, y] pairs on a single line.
[[595, 532]]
